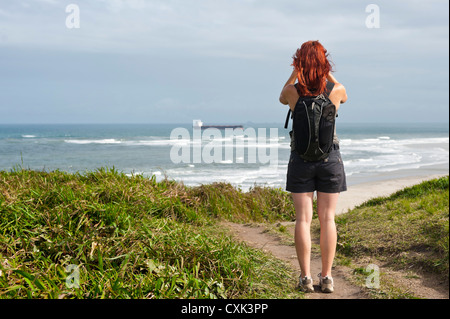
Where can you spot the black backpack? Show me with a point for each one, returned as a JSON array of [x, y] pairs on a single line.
[[313, 121]]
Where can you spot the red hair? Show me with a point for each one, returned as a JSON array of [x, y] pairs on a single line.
[[312, 65]]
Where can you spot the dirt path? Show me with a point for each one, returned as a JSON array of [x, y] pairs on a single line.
[[424, 286], [257, 237]]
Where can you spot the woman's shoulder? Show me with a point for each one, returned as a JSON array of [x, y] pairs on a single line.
[[290, 90], [338, 86], [339, 92], [339, 89], [291, 87]]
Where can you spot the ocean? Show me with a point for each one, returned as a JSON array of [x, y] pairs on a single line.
[[255, 155]]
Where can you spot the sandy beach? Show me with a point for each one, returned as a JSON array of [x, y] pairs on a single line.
[[359, 193]]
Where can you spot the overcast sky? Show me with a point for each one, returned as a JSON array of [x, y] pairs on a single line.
[[171, 61]]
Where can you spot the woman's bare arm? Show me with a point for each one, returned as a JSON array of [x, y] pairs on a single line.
[[290, 81], [340, 87], [331, 78]]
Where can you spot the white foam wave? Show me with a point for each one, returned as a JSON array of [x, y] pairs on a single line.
[[361, 157], [100, 141], [386, 155], [387, 141], [159, 142], [243, 178]]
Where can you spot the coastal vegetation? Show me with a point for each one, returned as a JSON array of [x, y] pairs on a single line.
[[103, 234], [407, 231]]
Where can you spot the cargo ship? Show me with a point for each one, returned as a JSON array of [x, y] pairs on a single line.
[[198, 124]]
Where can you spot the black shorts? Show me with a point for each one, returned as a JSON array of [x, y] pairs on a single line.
[[325, 176]]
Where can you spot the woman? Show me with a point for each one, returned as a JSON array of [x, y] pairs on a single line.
[[327, 177]]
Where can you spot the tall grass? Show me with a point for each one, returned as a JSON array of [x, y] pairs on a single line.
[[407, 230], [132, 237]]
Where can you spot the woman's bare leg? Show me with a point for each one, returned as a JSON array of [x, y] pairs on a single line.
[[303, 203], [326, 209]]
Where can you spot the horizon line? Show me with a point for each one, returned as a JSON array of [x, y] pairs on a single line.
[[212, 123]]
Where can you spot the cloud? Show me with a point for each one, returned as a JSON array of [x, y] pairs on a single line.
[[229, 28], [227, 55]]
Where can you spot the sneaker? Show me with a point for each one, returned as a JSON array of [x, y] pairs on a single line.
[[306, 284], [326, 283]]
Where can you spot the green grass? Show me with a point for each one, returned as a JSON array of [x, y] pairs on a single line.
[[406, 231], [133, 237]]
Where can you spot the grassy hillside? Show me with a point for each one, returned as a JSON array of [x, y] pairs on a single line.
[[132, 237], [406, 231]]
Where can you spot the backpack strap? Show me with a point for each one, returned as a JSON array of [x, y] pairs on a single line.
[[287, 119], [289, 112], [329, 88], [298, 90]]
